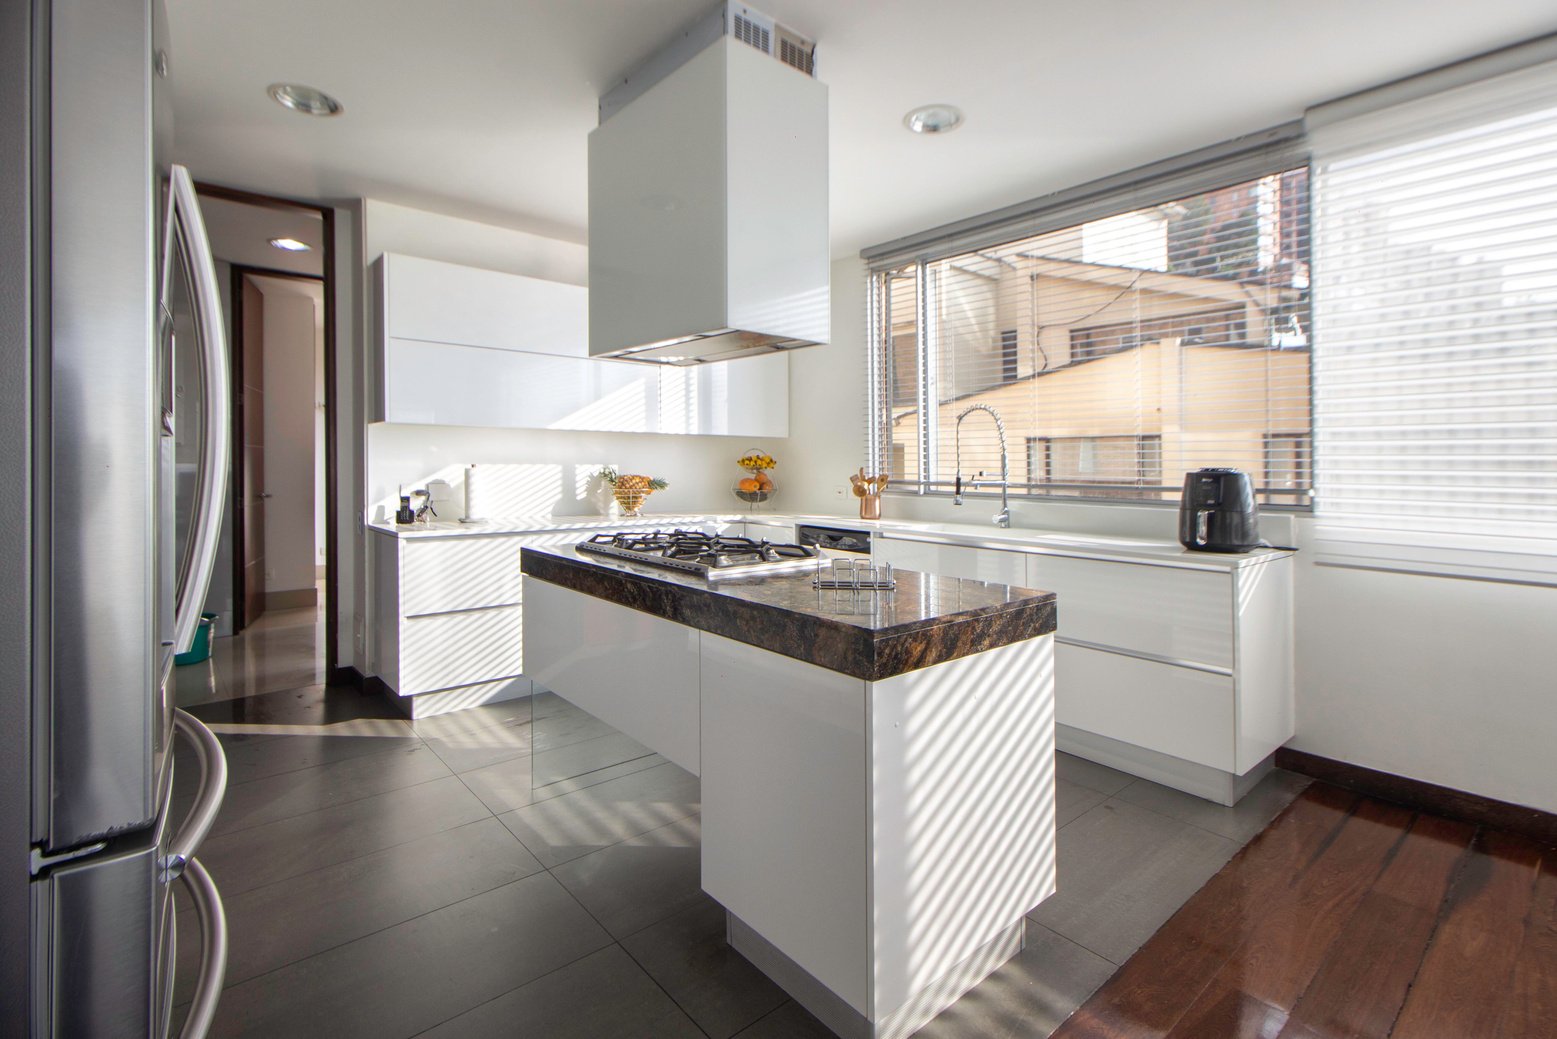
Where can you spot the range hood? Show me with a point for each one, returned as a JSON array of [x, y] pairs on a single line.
[[708, 199]]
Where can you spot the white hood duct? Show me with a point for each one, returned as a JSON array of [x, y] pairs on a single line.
[[708, 199]]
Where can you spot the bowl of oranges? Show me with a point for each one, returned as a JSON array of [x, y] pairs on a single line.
[[756, 486]]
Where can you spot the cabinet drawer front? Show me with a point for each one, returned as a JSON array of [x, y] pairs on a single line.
[[448, 384], [438, 575], [450, 303], [1165, 612], [974, 564], [460, 649], [1172, 710]]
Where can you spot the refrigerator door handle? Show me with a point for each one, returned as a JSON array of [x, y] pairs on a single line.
[[213, 950], [213, 788], [186, 230]]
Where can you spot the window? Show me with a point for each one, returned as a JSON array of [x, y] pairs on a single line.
[[1105, 467], [1436, 364], [1120, 351], [1009, 365]]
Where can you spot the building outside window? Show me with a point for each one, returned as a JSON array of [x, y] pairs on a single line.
[[1122, 351]]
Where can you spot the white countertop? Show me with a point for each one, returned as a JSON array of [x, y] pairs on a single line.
[[973, 535]]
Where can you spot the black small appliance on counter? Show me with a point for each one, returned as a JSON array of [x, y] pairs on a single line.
[[1218, 512]]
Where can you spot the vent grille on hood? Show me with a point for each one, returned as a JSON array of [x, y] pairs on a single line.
[[749, 31], [797, 53]]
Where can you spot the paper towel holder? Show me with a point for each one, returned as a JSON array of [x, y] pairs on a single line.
[[468, 518]]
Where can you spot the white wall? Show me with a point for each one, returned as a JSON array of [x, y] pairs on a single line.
[[700, 470], [289, 418], [1446, 680], [434, 236]]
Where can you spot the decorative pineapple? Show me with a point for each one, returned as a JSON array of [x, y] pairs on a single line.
[[631, 490]]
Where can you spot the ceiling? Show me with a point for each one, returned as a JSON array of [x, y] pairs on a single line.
[[240, 233], [480, 108]]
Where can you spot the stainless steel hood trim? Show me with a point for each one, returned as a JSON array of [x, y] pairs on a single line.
[[722, 345]]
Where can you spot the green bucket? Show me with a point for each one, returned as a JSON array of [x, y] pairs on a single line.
[[200, 649]]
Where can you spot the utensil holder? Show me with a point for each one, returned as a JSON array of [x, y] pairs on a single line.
[[870, 506]]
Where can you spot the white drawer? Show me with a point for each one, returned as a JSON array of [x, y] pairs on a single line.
[[974, 564], [1165, 612], [1173, 710], [440, 574], [460, 648]]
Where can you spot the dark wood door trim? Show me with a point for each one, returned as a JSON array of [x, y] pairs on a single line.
[[239, 457], [332, 504]]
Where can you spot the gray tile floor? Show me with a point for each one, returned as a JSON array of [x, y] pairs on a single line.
[[491, 873]]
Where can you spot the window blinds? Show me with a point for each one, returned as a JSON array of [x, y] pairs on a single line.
[[1435, 378], [1118, 353]]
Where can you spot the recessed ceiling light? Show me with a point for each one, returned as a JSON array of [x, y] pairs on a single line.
[[307, 100], [933, 119], [291, 245]]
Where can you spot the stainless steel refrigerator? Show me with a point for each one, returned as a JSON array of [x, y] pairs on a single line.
[[113, 372]]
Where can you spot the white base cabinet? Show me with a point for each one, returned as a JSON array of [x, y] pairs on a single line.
[[1182, 671], [449, 618]]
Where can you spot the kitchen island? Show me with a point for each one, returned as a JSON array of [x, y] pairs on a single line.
[[877, 767]]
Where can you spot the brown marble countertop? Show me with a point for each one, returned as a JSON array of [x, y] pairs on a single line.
[[925, 620]]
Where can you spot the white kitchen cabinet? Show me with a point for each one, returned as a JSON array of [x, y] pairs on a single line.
[[1181, 673], [439, 575], [778, 533], [636, 672], [977, 564], [450, 303], [1163, 612], [462, 346], [449, 617], [1173, 710], [449, 384]]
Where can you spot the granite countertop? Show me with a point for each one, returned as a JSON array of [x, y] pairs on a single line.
[[870, 635]]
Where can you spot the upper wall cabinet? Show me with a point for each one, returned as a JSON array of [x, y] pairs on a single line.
[[448, 303], [462, 346]]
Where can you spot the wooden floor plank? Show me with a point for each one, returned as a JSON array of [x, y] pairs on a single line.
[[1531, 1010], [1350, 919], [1362, 984], [1151, 992], [1285, 949], [1227, 1013], [1465, 980]]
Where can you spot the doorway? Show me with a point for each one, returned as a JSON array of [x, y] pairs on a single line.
[[276, 262]]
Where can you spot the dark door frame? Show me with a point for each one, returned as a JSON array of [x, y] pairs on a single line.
[[333, 673]]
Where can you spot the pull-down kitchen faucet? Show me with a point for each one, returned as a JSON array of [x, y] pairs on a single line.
[[1003, 517]]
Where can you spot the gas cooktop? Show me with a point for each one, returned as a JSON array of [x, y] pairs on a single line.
[[707, 555]]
